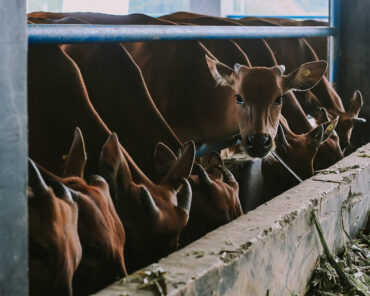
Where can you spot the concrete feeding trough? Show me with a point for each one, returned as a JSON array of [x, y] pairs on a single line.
[[271, 250]]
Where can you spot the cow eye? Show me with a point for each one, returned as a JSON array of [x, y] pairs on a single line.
[[279, 101], [239, 100]]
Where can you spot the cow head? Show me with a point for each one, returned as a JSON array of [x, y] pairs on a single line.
[[347, 119], [154, 215], [299, 151], [99, 227], [215, 193], [258, 97], [54, 245], [329, 151]]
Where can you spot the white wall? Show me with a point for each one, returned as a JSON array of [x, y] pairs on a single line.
[[104, 6]]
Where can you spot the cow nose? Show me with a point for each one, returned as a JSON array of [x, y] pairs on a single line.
[[258, 145]]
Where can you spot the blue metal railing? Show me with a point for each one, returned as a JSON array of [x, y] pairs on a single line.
[[300, 17], [113, 33]]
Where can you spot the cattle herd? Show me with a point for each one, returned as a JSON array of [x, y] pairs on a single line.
[[113, 129]]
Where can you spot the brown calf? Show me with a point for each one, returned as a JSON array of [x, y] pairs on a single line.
[[54, 245]]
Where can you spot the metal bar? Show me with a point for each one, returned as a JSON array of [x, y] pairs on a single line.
[[334, 46], [287, 167], [237, 16], [108, 33]]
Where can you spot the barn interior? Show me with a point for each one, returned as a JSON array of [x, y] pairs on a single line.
[[265, 242]]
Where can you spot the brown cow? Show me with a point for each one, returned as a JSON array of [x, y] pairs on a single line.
[[99, 227], [260, 53], [57, 96], [215, 194], [54, 245], [293, 52]]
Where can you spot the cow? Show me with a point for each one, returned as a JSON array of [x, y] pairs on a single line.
[[293, 52], [215, 194], [58, 102], [261, 54], [54, 245], [100, 230]]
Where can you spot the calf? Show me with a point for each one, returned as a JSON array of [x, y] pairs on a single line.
[[293, 52], [215, 194], [54, 245]]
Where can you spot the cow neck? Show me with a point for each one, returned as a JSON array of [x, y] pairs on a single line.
[[113, 67]]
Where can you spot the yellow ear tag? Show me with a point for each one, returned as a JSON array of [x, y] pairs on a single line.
[[330, 127], [307, 72]]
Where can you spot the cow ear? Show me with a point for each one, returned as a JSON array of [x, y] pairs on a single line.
[[356, 103], [329, 128], [76, 159], [164, 158], [317, 135], [223, 74], [112, 162], [305, 77], [322, 115], [182, 167]]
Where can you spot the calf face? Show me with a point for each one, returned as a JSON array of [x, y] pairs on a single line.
[[258, 95], [154, 215], [54, 245]]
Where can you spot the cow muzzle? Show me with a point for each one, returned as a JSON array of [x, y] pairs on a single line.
[[258, 145]]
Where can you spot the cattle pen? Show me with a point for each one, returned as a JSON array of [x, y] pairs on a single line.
[[252, 253]]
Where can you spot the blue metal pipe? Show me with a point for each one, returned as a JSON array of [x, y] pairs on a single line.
[[108, 33], [310, 17], [334, 41]]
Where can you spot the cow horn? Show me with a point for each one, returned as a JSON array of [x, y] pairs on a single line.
[[36, 181], [184, 196], [202, 174], [148, 202], [228, 176], [358, 120], [60, 190]]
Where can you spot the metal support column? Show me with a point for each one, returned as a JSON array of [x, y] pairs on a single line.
[[355, 60], [334, 41], [13, 149]]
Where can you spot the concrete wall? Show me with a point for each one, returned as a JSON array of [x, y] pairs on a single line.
[[13, 149], [273, 248], [355, 59]]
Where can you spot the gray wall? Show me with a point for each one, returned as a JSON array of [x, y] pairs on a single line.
[[13, 149], [209, 7], [355, 59]]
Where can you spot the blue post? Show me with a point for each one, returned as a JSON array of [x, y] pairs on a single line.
[[334, 41]]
